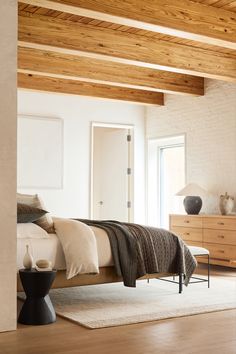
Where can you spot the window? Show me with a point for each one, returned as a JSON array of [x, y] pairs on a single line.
[[172, 177], [166, 176]]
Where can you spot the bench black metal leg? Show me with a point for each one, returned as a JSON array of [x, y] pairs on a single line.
[[180, 283]]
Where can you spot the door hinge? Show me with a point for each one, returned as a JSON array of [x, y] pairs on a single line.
[[128, 137], [129, 171], [129, 204]]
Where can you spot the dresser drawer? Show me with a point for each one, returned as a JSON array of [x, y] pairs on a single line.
[[219, 223], [188, 233], [186, 221], [194, 243], [221, 251], [224, 237]]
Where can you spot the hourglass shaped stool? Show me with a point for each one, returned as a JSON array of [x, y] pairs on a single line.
[[37, 308]]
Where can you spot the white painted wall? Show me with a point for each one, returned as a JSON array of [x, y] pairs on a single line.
[[210, 126], [8, 45], [78, 113]]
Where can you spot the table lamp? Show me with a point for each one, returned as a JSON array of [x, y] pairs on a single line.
[[192, 201]]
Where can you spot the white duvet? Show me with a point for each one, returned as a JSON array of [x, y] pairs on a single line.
[[79, 246]]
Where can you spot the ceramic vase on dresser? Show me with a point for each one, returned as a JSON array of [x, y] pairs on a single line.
[[226, 204]]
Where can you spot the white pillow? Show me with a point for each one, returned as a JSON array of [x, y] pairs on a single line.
[[30, 230]]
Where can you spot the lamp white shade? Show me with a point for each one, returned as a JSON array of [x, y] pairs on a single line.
[[192, 189]]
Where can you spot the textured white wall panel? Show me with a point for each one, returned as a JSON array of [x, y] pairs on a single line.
[[210, 126]]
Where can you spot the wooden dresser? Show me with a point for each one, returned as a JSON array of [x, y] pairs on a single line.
[[217, 233]]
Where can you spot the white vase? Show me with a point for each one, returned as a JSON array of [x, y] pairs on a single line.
[[28, 259], [226, 204]]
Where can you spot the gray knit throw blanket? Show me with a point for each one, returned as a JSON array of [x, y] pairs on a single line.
[[139, 250]]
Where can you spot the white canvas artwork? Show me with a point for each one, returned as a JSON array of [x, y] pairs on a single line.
[[40, 152]]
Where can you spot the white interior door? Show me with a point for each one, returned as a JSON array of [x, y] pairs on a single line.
[[111, 174]]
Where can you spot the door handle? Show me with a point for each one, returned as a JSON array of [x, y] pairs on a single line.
[[101, 202]]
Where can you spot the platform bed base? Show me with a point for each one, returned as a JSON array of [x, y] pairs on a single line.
[[106, 275]]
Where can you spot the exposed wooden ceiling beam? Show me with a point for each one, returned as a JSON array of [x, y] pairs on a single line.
[[72, 87], [103, 43], [182, 18], [101, 71]]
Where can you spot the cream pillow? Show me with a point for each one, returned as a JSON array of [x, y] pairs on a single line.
[[79, 245], [30, 230], [45, 221]]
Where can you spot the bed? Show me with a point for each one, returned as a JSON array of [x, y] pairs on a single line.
[[50, 248], [53, 248]]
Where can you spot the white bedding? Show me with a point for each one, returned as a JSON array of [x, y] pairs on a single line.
[[50, 248]]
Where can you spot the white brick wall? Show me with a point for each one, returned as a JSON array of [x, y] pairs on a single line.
[[210, 126]]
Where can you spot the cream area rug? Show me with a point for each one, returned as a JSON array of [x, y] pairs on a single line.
[[98, 306]]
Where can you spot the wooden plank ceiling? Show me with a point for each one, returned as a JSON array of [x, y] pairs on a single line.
[[130, 50]]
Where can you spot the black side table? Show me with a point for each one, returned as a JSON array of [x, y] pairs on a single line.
[[37, 308]]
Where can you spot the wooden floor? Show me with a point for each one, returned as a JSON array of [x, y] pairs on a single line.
[[202, 334]]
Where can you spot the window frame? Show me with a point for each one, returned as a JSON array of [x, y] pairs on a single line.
[[153, 188], [161, 178]]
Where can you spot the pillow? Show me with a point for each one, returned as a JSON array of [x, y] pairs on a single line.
[[45, 221], [27, 213], [30, 230]]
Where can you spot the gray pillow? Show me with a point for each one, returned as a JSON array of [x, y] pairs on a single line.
[[45, 222], [27, 213]]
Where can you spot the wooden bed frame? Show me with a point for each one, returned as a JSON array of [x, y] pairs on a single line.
[[106, 275]]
